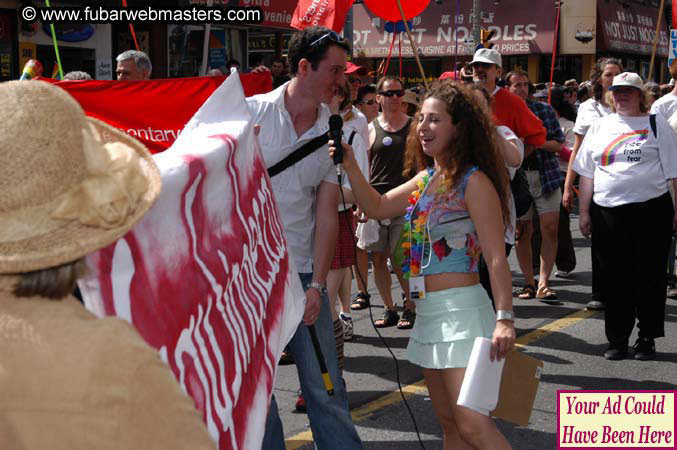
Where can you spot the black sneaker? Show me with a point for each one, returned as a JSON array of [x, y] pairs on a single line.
[[594, 305], [645, 349], [616, 351]]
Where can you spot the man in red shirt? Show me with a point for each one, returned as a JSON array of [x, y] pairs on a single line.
[[509, 110]]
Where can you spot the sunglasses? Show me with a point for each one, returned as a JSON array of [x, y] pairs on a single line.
[[333, 35], [398, 93], [352, 80], [368, 102]]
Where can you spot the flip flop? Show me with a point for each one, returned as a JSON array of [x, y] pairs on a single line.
[[546, 294]]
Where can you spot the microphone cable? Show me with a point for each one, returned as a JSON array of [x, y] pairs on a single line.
[[371, 317]]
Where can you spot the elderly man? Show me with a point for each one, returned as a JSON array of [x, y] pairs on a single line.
[[133, 65]]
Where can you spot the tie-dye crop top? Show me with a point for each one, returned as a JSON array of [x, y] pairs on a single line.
[[450, 241]]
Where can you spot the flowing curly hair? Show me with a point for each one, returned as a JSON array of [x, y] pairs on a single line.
[[475, 142]]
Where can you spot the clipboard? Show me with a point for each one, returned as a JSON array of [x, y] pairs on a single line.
[[519, 385]]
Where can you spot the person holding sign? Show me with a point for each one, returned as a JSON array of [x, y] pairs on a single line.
[[69, 379], [624, 162], [455, 210]]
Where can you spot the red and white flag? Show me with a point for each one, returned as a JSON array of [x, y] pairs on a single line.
[[153, 111], [206, 277], [324, 13]]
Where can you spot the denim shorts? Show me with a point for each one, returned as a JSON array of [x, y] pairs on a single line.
[[447, 323]]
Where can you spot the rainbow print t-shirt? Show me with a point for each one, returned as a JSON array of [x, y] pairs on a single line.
[[628, 163]]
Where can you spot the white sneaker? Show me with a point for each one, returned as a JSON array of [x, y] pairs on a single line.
[[562, 274], [347, 322]]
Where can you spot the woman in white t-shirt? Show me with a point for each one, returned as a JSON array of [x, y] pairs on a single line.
[[624, 163], [589, 112]]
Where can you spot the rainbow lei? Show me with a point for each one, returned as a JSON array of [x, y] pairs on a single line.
[[413, 240]]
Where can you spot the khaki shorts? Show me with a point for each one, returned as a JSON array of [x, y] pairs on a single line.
[[388, 236], [543, 203]]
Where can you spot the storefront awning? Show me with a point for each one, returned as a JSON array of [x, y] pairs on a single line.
[[519, 30], [630, 28]]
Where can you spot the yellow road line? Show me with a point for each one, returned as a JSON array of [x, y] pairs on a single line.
[[306, 437], [554, 326]]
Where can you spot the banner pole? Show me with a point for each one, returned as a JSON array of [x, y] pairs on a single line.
[[655, 38], [414, 47], [205, 44], [205, 50], [131, 29], [56, 46], [554, 50]]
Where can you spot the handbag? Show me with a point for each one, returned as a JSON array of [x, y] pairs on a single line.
[[519, 186]]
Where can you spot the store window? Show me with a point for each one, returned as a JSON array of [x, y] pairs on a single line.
[[8, 46], [186, 47], [566, 67]]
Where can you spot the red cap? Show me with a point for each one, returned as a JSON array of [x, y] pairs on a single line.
[[352, 68], [451, 75]]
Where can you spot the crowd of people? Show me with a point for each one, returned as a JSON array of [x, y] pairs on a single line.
[[438, 186]]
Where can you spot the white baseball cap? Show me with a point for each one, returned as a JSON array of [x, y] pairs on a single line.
[[627, 79], [488, 56]]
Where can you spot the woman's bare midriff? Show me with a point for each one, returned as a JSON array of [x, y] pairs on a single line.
[[442, 281]]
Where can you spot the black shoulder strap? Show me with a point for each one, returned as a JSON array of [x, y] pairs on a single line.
[[298, 154], [652, 121], [352, 136]]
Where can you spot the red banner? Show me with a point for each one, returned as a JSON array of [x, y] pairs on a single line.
[[153, 111], [323, 13]]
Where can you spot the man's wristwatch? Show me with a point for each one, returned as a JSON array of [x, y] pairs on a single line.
[[321, 288], [503, 314]]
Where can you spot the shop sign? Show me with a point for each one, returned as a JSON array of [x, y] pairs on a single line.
[[439, 28], [266, 42], [276, 13], [217, 48], [27, 50], [631, 29]]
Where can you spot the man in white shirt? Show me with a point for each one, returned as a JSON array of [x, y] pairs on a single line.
[[666, 106], [307, 195]]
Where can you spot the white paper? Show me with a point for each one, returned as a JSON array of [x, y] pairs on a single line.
[[482, 379]]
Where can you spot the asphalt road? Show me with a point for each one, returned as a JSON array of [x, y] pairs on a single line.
[[569, 340]]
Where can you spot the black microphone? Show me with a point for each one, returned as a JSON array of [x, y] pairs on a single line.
[[335, 134]]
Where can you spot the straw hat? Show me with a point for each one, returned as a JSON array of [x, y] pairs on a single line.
[[410, 97], [69, 184]]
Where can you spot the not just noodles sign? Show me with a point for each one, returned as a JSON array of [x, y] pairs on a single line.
[[440, 27]]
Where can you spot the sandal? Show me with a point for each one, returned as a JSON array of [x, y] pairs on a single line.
[[526, 293], [361, 301], [407, 320], [388, 319], [545, 293]]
